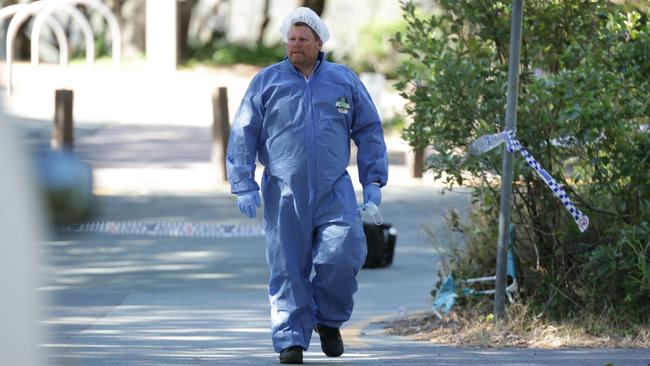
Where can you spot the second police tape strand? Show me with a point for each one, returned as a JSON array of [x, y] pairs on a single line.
[[489, 142]]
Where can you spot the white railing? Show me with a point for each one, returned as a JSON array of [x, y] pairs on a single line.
[[42, 10]]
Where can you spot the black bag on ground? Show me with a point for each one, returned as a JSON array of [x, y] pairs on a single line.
[[381, 245]]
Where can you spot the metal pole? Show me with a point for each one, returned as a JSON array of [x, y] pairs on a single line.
[[506, 174]]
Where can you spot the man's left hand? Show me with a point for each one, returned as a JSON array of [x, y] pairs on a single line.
[[372, 193]]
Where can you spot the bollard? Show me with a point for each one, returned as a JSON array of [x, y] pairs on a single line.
[[220, 129], [418, 163], [62, 133]]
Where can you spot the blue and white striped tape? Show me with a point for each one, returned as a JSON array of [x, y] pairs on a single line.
[[489, 142], [187, 229]]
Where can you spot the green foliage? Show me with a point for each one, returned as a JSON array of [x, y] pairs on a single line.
[[103, 48], [583, 113], [394, 124], [375, 51], [626, 265], [220, 52]]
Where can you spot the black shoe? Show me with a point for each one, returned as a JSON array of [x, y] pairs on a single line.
[[330, 340], [292, 355]]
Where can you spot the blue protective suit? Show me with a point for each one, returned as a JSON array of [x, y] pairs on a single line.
[[300, 131]]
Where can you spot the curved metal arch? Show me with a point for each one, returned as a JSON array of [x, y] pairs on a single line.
[[13, 10], [77, 16], [20, 13], [10, 10], [116, 34]]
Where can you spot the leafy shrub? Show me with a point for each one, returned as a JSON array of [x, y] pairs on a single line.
[[583, 114], [375, 51], [220, 52]]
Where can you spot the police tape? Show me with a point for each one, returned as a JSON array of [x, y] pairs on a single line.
[[489, 142], [186, 229]]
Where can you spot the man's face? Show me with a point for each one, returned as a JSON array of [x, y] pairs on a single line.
[[302, 46]]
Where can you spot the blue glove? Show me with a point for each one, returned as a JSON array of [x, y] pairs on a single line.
[[371, 193], [248, 202]]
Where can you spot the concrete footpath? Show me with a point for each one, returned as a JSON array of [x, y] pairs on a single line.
[[189, 288]]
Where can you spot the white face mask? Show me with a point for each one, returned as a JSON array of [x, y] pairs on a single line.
[[370, 213]]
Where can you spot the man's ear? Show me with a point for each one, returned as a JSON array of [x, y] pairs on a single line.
[[320, 45]]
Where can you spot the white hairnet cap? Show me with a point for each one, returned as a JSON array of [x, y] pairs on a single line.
[[309, 17]]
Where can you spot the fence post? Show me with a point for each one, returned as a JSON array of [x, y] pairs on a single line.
[[63, 131], [220, 129]]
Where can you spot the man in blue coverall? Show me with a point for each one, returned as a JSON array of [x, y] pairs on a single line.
[[297, 118]]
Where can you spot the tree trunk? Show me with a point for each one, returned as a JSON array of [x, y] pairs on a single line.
[[116, 8], [265, 22], [316, 5], [184, 14], [134, 28]]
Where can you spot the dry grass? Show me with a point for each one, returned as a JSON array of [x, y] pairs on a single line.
[[519, 329]]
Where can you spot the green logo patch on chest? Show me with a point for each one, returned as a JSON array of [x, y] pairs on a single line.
[[342, 105]]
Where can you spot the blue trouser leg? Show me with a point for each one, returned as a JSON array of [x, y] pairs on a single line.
[[339, 250], [328, 237], [335, 280], [288, 251]]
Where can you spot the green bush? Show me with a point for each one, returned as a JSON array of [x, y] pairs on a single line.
[[375, 51], [221, 52], [583, 113]]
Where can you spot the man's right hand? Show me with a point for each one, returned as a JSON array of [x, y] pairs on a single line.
[[248, 202]]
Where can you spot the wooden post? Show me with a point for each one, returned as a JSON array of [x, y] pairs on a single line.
[[63, 131], [220, 129], [418, 163]]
